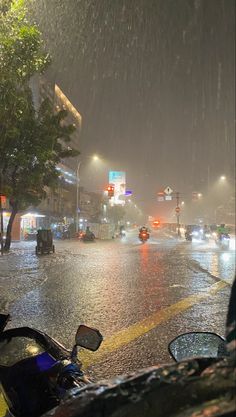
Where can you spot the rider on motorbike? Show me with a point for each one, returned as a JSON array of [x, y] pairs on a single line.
[[143, 229], [221, 231], [88, 234]]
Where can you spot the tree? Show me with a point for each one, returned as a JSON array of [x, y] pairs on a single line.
[[116, 213], [32, 141]]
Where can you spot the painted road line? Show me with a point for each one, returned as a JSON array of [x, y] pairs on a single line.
[[125, 336]]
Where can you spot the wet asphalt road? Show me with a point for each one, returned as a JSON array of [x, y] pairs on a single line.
[[130, 291]]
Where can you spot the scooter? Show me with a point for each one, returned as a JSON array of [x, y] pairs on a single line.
[[37, 372], [88, 237], [223, 241], [143, 236]]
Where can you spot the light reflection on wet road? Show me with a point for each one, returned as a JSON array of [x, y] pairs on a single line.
[[114, 285]]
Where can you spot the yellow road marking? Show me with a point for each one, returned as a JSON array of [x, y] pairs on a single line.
[[125, 336]]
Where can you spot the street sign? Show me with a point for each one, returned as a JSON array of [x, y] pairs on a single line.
[[168, 197], [128, 192], [160, 196], [177, 210], [168, 190]]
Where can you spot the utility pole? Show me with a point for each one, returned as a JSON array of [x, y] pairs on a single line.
[[1, 230], [77, 197], [1, 214], [177, 210]]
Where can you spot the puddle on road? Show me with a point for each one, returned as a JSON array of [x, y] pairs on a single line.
[[21, 270], [214, 261]]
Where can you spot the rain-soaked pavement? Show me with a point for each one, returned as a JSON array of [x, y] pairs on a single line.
[[139, 296]]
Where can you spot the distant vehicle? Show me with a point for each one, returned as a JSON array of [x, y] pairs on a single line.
[[193, 231], [123, 233], [80, 234], [143, 234], [88, 235], [44, 242], [156, 224], [223, 240]]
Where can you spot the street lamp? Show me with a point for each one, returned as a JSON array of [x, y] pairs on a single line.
[[223, 178], [77, 196], [94, 158]]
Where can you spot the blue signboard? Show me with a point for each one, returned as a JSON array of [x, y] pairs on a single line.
[[128, 192]]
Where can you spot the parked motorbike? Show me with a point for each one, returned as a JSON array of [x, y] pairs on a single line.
[[143, 236], [37, 372]]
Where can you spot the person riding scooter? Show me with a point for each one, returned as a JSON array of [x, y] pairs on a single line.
[[143, 229], [222, 231], [88, 235], [144, 233]]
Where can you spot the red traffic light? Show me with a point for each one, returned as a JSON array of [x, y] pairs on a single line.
[[110, 190]]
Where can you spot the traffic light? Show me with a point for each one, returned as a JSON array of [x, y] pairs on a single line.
[[110, 190]]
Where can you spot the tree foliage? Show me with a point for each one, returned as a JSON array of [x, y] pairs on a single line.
[[32, 141]]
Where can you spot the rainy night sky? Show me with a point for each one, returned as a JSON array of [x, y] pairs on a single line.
[[154, 82]]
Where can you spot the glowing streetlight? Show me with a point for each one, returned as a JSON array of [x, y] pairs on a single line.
[[95, 158], [182, 203], [199, 195], [223, 178]]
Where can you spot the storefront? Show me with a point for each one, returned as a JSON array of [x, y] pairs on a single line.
[[30, 223], [25, 226]]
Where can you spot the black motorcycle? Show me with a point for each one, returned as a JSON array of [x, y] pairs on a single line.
[[88, 237], [37, 372]]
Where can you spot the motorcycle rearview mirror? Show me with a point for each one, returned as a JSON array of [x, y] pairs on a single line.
[[88, 338], [197, 344]]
